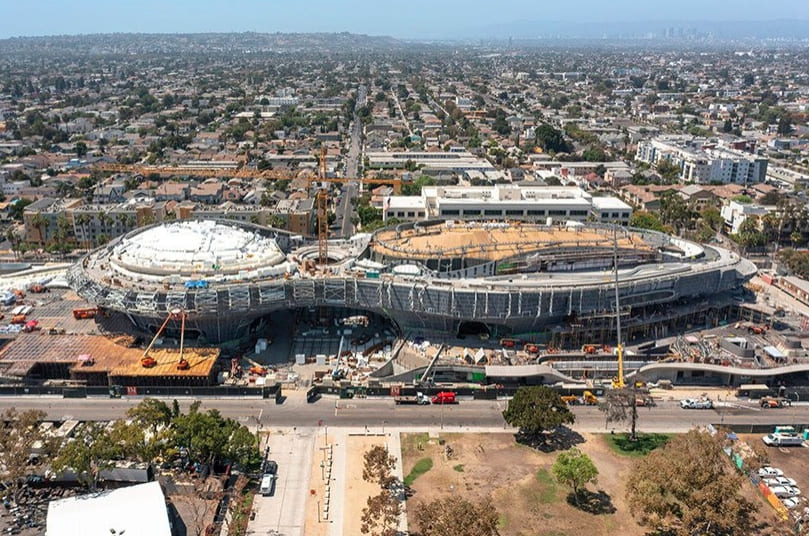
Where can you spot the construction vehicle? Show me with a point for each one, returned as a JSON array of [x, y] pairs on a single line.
[[18, 319], [419, 398], [587, 399], [84, 313], [258, 370], [757, 330], [589, 348], [508, 343], [531, 348], [774, 402], [147, 361], [444, 397]]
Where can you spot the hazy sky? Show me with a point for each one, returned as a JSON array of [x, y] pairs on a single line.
[[398, 18]]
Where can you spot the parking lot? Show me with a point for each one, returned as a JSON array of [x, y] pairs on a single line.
[[793, 461], [284, 510]]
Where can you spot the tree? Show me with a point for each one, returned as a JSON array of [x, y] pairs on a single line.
[[785, 125], [688, 487], [380, 516], [668, 171], [551, 139], [620, 405], [377, 466], [151, 412], [87, 455], [455, 515], [537, 409], [209, 437], [646, 220], [40, 223], [712, 218], [575, 469], [17, 440], [81, 149]]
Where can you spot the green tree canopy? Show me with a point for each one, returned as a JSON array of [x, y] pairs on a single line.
[[646, 220], [537, 409], [551, 139], [575, 469], [20, 432], [152, 413]]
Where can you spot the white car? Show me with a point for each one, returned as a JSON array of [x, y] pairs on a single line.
[[784, 491], [768, 472], [790, 502], [694, 403], [780, 481]]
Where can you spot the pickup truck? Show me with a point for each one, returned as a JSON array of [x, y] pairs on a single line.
[[419, 398], [775, 402], [782, 440]]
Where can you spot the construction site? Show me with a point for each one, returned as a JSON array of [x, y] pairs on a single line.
[[204, 302]]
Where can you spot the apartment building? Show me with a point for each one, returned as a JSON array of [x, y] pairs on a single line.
[[704, 161]]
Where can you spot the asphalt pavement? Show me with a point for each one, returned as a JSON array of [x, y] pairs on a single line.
[[380, 414]]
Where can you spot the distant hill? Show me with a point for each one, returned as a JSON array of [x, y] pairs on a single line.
[[725, 30], [201, 43]]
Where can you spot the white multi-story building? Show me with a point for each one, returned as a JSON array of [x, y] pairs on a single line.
[[734, 214], [506, 202], [704, 162], [457, 161]]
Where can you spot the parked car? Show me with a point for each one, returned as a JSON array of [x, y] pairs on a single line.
[[267, 487], [270, 467], [780, 481], [696, 403], [782, 440], [784, 491], [790, 502], [768, 471]]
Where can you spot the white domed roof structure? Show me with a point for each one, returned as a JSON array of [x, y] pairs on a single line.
[[201, 248]]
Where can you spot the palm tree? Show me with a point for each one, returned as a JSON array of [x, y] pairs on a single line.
[[39, 222], [83, 219]]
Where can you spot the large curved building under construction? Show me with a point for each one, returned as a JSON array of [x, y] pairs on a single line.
[[427, 276]]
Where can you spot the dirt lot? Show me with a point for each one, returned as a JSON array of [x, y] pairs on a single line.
[[356, 489], [519, 480], [529, 501]]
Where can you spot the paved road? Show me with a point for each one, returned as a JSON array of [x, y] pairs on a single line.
[[351, 189], [381, 413], [285, 510]]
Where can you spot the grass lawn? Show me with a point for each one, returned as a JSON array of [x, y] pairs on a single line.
[[421, 467], [545, 492], [646, 443]]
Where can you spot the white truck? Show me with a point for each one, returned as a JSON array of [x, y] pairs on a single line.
[[782, 440], [267, 487]]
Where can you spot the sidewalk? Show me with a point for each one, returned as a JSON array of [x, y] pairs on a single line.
[[394, 445]]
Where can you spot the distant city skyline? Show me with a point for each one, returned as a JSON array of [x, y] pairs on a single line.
[[416, 19]]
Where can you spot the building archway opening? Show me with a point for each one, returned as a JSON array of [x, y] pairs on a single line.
[[473, 329]]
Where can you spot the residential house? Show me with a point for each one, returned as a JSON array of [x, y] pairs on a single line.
[[208, 192]]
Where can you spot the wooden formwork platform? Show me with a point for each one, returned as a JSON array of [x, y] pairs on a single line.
[[107, 357]]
